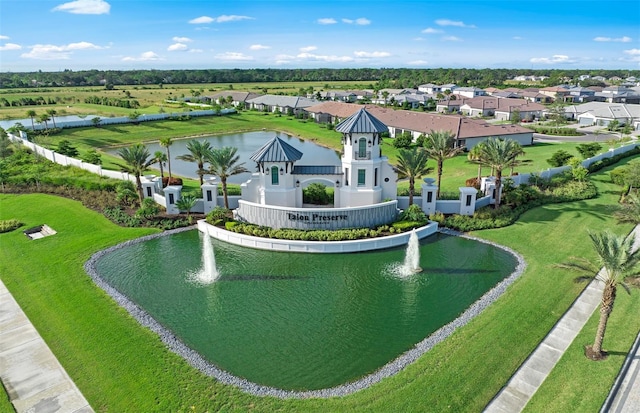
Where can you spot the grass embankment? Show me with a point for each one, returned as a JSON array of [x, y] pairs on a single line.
[[122, 367]]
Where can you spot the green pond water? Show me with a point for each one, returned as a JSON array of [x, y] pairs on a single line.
[[303, 321]]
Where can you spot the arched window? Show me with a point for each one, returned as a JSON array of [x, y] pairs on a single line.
[[362, 148], [275, 177]]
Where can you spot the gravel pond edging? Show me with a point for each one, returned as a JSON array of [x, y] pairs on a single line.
[[175, 345]]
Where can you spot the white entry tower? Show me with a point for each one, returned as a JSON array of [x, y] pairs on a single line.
[[368, 177]]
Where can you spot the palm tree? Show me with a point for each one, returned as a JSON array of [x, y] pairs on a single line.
[[165, 143], [32, 114], [412, 164], [618, 261], [439, 145], [498, 154], [160, 158], [44, 118], [198, 152], [474, 156], [52, 113], [137, 160], [224, 163], [185, 203]]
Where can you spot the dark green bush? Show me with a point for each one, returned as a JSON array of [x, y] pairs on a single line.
[[413, 213], [559, 158], [219, 215], [316, 193]]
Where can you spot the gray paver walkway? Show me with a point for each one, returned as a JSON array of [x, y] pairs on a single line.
[[535, 369], [34, 379]]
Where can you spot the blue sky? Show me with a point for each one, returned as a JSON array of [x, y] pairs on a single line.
[[180, 34]]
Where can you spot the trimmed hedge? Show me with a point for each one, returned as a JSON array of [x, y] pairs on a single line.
[[8, 225]]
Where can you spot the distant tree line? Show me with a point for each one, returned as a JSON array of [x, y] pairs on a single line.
[[380, 78]]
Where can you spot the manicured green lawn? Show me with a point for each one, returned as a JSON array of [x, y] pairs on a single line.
[[122, 367]]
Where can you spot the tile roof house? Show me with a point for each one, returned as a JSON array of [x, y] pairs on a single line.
[[468, 132]]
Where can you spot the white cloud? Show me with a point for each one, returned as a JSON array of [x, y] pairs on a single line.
[[327, 20], [418, 63], [634, 55], [220, 19], [431, 30], [324, 58], [195, 50], [447, 22], [176, 47], [201, 20], [517, 38], [360, 21], [82, 46], [10, 46], [308, 49], [53, 52], [259, 47], [371, 54], [84, 7], [4, 37], [178, 39], [144, 57], [284, 59], [557, 58], [623, 39], [233, 56], [451, 39]]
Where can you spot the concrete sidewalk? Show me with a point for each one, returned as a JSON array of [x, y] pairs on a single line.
[[535, 369], [528, 378], [34, 379]]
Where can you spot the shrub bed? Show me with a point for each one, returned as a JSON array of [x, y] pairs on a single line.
[[518, 200]]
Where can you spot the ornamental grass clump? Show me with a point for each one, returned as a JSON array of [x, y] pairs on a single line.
[[9, 225]]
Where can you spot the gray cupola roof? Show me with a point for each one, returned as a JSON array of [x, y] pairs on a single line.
[[276, 150], [361, 122]]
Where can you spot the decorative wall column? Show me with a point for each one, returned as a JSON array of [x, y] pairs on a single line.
[[429, 192], [210, 194], [172, 194], [467, 200], [148, 185]]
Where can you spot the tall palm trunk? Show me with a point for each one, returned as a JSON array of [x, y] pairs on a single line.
[[606, 306], [139, 188], [224, 192], [439, 178], [498, 185], [411, 189]]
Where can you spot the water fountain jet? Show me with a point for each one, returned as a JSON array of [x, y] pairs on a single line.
[[412, 258], [208, 273]]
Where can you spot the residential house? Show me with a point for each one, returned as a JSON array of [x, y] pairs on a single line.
[[468, 92], [468, 132], [557, 93], [582, 94], [238, 98], [603, 113], [291, 105]]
